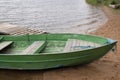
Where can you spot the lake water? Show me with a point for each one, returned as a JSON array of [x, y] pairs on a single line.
[[56, 16]]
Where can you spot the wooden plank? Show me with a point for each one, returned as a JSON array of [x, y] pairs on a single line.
[[76, 44], [35, 47], [5, 44], [69, 44], [1, 38]]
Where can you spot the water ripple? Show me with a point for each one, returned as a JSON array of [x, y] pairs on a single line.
[[52, 15]]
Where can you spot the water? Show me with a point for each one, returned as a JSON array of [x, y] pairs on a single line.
[[56, 16]]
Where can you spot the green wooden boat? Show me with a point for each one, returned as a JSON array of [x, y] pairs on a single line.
[[44, 51]]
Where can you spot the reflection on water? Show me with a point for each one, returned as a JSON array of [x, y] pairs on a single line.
[[52, 15]]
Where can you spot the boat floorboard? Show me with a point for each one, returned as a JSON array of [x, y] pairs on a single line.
[[75, 45], [54, 47]]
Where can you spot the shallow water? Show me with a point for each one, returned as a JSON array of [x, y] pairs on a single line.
[[55, 16]]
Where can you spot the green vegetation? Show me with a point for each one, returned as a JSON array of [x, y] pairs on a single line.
[[116, 3], [93, 2], [107, 2], [104, 2]]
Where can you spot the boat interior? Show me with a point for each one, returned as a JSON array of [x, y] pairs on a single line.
[[29, 47]]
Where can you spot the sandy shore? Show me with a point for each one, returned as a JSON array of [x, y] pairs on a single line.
[[107, 68]]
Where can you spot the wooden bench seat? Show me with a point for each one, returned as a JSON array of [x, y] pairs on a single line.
[[76, 44], [4, 44], [35, 47], [1, 38]]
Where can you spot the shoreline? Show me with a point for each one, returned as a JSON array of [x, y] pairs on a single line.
[[111, 28]]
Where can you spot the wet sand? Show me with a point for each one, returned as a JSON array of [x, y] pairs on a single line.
[[107, 68]]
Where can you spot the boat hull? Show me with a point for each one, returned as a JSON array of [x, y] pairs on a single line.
[[53, 60], [30, 62]]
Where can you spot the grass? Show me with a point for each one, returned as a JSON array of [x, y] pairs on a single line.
[[93, 2], [104, 2]]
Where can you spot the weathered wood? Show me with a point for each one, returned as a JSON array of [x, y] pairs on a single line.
[[75, 44], [35, 47], [5, 44], [1, 38]]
